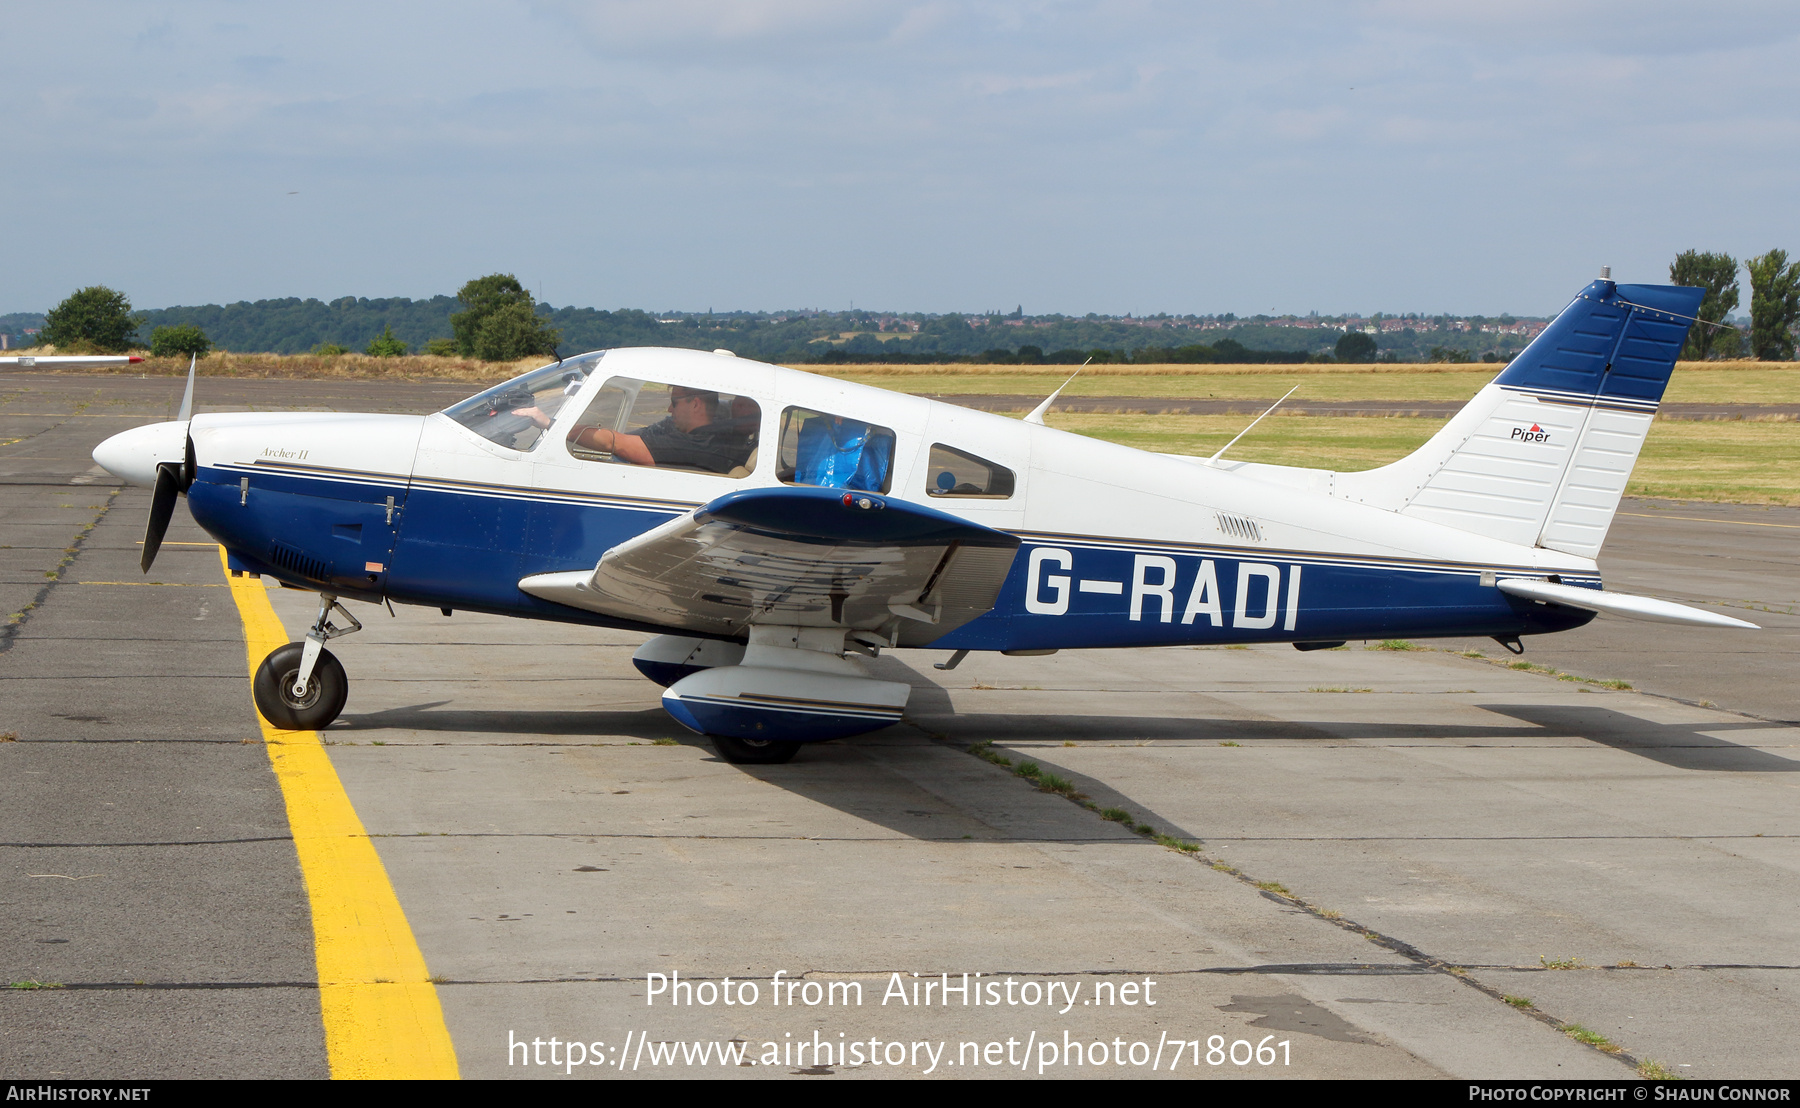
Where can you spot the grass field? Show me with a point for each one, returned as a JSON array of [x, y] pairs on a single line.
[[314, 367], [1693, 382], [1746, 462]]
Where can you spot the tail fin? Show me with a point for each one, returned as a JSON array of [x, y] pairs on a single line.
[[1541, 455]]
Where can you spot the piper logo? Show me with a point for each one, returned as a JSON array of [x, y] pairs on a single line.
[[1534, 434]]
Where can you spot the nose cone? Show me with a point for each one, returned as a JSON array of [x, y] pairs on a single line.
[[134, 454]]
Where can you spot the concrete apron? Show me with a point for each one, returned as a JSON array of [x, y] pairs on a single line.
[[550, 857]]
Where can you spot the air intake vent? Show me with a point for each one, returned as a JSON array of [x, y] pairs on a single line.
[[1239, 528], [297, 562]]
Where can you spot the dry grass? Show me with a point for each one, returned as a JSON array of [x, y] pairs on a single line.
[[313, 367], [1224, 382], [1739, 382], [1734, 383], [1745, 462], [1693, 382], [1234, 383]]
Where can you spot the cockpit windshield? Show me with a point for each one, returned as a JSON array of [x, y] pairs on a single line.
[[516, 414]]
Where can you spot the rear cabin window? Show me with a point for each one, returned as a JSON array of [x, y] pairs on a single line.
[[957, 473], [649, 423], [818, 448]]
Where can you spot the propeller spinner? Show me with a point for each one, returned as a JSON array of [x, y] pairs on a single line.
[[161, 456]]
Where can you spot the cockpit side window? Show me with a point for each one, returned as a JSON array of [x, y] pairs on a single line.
[[818, 448], [957, 473], [650, 423], [517, 413]]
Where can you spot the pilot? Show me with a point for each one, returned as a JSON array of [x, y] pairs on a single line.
[[690, 438]]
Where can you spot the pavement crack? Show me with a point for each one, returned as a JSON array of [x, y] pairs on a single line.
[[1421, 961], [157, 986], [148, 842], [15, 622]]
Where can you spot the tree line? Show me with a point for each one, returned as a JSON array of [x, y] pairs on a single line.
[[1225, 352], [498, 321], [495, 318]]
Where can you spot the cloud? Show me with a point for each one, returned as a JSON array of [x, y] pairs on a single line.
[[620, 27], [1649, 27], [1083, 154]]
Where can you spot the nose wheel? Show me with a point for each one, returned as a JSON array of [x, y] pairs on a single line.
[[307, 707], [301, 686]]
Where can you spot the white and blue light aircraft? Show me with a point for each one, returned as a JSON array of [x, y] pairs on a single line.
[[772, 528]]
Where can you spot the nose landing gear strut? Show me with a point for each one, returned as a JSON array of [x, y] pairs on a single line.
[[301, 686]]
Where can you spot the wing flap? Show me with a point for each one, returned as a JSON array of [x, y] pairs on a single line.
[[798, 557], [1618, 604]]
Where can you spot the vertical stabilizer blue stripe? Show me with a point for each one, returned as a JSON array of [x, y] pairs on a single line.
[[1612, 340]]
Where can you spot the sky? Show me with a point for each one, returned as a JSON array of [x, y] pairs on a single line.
[[909, 155]]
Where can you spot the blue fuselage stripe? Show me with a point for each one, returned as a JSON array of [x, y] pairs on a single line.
[[441, 546]]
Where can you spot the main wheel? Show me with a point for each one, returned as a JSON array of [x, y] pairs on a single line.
[[754, 752], [273, 689]]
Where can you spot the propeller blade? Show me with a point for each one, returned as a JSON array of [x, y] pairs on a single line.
[[187, 398], [162, 509]]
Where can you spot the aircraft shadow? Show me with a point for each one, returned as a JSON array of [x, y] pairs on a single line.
[[891, 801], [1681, 745], [646, 724], [838, 775]]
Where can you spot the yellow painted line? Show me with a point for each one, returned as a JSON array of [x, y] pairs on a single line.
[[1704, 519], [381, 1011]]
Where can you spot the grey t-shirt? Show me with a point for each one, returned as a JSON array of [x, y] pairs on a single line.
[[714, 448]]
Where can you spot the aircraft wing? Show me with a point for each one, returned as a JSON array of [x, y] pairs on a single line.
[[798, 557], [1618, 604]]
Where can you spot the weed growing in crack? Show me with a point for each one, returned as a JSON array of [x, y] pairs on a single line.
[[1592, 1038]]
